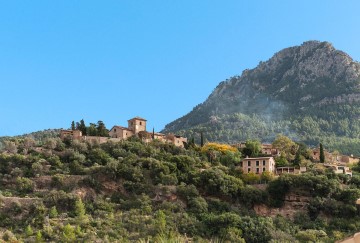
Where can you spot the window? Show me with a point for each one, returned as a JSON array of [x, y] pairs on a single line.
[[140, 123], [257, 163], [249, 169], [263, 162], [263, 169], [257, 170], [249, 163], [114, 129]]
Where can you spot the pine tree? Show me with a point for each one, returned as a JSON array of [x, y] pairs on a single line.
[[153, 134], [29, 231], [68, 233], [79, 208], [80, 212], [322, 155], [39, 237], [53, 212], [297, 159]]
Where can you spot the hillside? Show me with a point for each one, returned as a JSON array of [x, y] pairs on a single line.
[[130, 191], [38, 136], [309, 92]]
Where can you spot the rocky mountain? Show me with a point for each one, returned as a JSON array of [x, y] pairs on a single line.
[[309, 92]]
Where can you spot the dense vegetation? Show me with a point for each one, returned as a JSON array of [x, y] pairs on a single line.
[[131, 191], [236, 127]]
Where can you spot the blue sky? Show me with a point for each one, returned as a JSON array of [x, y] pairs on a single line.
[[112, 60]]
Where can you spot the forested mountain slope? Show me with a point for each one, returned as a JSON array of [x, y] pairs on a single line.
[[309, 92]]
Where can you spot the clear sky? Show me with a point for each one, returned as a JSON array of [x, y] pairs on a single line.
[[112, 60]]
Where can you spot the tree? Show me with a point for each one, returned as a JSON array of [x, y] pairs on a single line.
[[297, 160], [160, 222], [68, 233], [39, 237], [80, 211], [53, 212], [322, 155], [10, 147], [82, 127], [201, 139], [72, 125], [252, 148], [92, 130], [286, 146], [28, 143], [101, 129], [29, 231]]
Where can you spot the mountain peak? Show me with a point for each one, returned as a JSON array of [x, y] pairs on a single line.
[[313, 79]]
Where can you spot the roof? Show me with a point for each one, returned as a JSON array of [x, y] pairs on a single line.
[[258, 158], [137, 118], [120, 127], [157, 133]]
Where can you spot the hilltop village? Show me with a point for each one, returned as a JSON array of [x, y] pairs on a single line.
[[257, 165], [136, 127]]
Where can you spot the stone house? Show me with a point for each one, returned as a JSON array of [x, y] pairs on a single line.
[[258, 165], [332, 157], [266, 148], [269, 149], [137, 126], [74, 134], [339, 169]]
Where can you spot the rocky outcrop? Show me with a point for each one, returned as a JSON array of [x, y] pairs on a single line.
[[293, 204]]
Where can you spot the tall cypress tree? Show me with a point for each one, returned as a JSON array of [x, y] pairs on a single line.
[[82, 127], [201, 139], [73, 125], [322, 155]]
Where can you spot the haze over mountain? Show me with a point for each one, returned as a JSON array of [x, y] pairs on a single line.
[[309, 92]]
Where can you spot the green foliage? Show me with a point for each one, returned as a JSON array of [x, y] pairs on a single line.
[[68, 233], [29, 231], [24, 185], [322, 155], [252, 148], [53, 213], [134, 192]]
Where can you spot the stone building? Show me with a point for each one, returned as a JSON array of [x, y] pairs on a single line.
[[137, 126], [74, 134], [258, 165], [266, 148]]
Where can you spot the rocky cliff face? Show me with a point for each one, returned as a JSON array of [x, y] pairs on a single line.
[[313, 79]]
